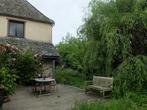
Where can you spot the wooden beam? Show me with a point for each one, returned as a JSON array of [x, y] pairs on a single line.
[[53, 68]]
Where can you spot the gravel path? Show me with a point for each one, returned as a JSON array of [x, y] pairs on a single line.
[[63, 99]]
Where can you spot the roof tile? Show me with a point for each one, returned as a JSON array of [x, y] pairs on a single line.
[[22, 9], [42, 48]]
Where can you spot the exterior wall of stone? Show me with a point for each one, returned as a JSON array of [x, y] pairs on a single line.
[[48, 68], [33, 30]]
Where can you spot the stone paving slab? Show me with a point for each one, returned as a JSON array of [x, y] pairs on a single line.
[[63, 99]]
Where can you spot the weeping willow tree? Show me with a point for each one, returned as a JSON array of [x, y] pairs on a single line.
[[131, 76], [115, 30]]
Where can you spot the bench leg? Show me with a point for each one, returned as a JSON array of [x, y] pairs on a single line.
[[106, 94], [102, 94]]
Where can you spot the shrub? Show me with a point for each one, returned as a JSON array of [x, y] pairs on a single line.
[[7, 79], [27, 66], [139, 98], [69, 76], [131, 75], [8, 55], [22, 64]]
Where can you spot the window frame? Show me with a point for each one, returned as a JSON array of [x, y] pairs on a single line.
[[19, 22]]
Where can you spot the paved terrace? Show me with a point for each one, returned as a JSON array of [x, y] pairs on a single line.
[[63, 99]]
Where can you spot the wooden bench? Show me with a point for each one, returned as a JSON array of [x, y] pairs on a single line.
[[101, 84]]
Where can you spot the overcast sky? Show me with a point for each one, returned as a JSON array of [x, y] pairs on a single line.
[[67, 14]]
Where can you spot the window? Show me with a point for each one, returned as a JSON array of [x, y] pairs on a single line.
[[16, 29]]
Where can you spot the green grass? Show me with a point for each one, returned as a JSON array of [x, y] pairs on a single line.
[[77, 81], [109, 105], [69, 77], [132, 101]]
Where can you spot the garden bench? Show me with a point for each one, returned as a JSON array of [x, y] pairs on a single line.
[[101, 84]]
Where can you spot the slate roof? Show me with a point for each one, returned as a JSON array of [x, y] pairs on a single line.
[[22, 9], [45, 49]]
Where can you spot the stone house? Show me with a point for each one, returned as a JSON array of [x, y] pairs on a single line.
[[21, 24]]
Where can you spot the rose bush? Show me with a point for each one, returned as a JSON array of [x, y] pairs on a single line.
[[16, 66]]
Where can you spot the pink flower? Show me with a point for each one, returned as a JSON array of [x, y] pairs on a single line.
[[13, 47]]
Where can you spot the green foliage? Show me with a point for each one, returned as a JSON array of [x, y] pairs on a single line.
[[69, 76], [7, 79], [112, 42], [16, 65], [139, 98], [8, 76], [115, 30], [71, 51], [131, 75], [121, 104], [132, 101], [8, 54], [27, 66]]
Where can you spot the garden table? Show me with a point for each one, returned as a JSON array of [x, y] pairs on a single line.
[[43, 84]]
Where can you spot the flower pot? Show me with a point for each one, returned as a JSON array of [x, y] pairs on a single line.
[[1, 97]]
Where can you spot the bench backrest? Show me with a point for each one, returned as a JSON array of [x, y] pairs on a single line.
[[102, 81]]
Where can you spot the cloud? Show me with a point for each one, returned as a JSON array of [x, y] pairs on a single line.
[[67, 15]]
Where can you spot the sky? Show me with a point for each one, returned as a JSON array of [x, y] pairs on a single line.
[[67, 14]]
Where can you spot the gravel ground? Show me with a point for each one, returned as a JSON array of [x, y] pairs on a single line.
[[63, 99]]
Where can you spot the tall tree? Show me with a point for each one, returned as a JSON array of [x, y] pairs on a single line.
[[116, 30], [72, 51]]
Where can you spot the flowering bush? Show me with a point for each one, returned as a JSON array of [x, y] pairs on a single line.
[[8, 55], [27, 66], [7, 79], [16, 66]]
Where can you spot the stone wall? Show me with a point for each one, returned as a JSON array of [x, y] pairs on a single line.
[[48, 68]]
